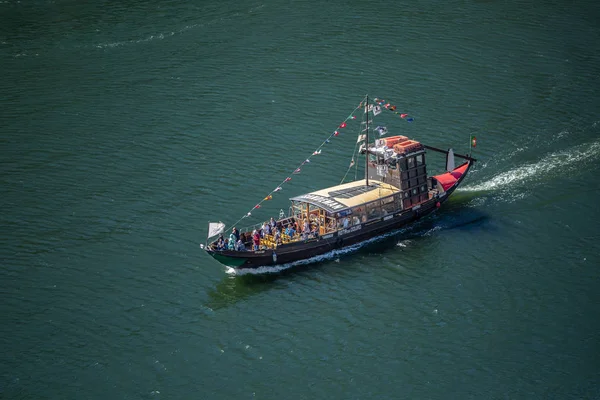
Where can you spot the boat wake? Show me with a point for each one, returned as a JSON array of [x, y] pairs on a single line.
[[565, 161], [220, 20]]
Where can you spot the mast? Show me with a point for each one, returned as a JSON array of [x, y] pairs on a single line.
[[367, 143]]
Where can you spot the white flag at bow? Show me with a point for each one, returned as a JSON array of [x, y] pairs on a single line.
[[214, 228]]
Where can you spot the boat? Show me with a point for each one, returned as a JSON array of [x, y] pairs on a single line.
[[394, 191]]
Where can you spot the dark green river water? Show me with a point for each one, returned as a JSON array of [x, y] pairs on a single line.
[[126, 126]]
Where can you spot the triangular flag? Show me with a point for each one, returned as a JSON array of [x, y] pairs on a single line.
[[269, 197], [306, 161], [336, 133], [328, 141], [361, 138], [249, 214], [392, 108], [256, 206], [410, 119], [354, 117], [277, 189], [352, 162], [474, 141], [288, 179], [297, 171], [343, 125], [403, 115], [316, 152]]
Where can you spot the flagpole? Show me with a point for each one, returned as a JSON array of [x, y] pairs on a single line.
[[470, 144], [367, 144]]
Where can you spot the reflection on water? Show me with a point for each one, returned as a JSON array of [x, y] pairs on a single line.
[[232, 289]]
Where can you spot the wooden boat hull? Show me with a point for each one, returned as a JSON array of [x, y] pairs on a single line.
[[303, 250]]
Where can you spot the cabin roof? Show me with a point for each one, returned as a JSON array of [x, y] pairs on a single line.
[[337, 198]]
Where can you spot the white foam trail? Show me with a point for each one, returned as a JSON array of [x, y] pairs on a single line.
[[161, 36], [562, 160]]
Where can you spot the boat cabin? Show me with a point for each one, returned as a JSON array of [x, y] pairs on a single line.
[[400, 162], [346, 205]]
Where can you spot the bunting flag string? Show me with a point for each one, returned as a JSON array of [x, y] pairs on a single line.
[[317, 152], [392, 108]]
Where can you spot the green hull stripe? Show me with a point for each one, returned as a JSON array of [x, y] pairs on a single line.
[[229, 261]]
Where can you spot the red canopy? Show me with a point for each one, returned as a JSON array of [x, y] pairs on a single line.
[[446, 180], [449, 178]]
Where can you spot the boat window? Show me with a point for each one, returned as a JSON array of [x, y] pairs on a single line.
[[359, 215], [419, 159], [406, 194], [388, 206], [386, 200], [373, 210], [411, 162], [423, 189], [402, 164], [415, 191]]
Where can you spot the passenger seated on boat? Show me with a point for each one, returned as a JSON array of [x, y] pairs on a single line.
[[243, 237], [346, 222], [290, 231], [235, 233], [239, 246], [231, 244], [355, 220], [273, 223], [220, 243], [256, 239], [277, 236], [331, 226]]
